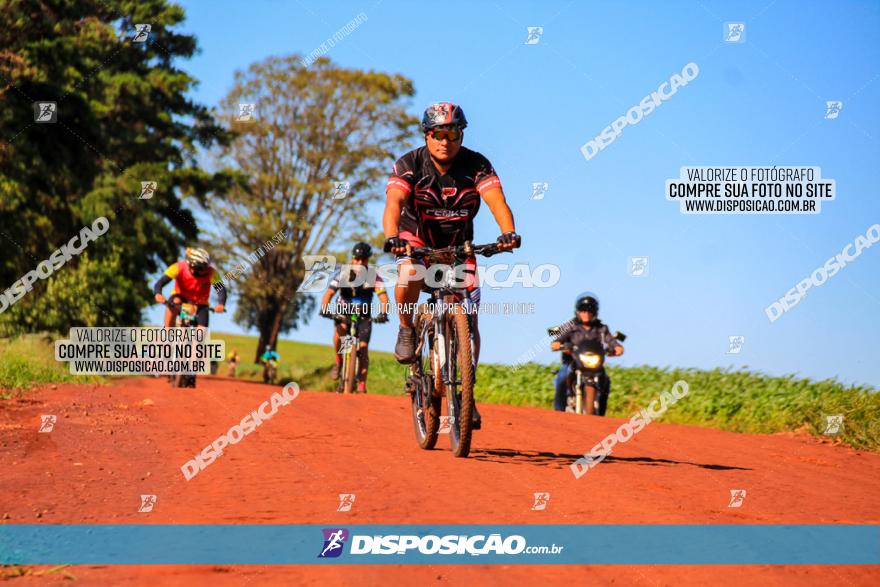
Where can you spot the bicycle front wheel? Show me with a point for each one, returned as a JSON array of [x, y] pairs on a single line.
[[460, 387], [351, 369]]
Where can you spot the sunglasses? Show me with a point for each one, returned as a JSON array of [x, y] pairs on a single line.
[[451, 134]]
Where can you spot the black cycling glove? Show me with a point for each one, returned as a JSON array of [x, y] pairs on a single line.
[[510, 238], [395, 242]]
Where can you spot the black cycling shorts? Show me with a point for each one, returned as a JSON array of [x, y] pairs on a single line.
[[365, 328]]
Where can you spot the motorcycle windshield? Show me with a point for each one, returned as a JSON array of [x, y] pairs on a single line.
[[590, 346]]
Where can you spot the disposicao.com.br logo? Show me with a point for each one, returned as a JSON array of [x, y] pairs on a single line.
[[452, 544], [334, 540]]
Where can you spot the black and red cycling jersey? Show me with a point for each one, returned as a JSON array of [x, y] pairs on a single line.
[[440, 207]]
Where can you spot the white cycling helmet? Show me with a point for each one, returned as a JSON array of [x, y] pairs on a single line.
[[198, 259]]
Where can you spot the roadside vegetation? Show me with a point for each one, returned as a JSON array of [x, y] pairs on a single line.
[[735, 400]]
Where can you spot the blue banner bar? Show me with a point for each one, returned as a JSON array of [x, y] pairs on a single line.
[[266, 544]]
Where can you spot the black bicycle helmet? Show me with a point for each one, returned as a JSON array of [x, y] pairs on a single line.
[[362, 251], [443, 114], [587, 302]]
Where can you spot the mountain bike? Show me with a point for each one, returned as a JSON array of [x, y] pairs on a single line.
[[187, 317], [350, 346], [270, 367], [445, 351]]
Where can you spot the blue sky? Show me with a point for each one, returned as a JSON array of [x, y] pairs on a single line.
[[531, 107]]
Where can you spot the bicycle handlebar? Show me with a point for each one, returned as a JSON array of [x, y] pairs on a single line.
[[343, 317], [173, 306], [466, 249]]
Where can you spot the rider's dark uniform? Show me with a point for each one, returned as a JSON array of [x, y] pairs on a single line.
[[573, 332], [357, 299], [440, 207]]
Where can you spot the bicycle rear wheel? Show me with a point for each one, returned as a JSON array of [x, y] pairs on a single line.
[[460, 389]]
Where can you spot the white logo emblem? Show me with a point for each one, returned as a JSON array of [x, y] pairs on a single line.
[[246, 112], [735, 344], [148, 188], [45, 112], [346, 500], [734, 32], [638, 266], [541, 500], [340, 189], [737, 497], [345, 344], [539, 190], [534, 35], [832, 109], [147, 503], [319, 270], [833, 424], [47, 423], [141, 33]]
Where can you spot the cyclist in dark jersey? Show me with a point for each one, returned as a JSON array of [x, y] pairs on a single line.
[[358, 298], [432, 197]]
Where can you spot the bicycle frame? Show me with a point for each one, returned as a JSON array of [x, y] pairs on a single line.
[[445, 346], [352, 353], [444, 361]]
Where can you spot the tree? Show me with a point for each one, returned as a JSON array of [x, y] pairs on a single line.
[[312, 128], [122, 118]]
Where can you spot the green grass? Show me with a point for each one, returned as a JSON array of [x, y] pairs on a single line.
[[740, 401], [309, 365], [29, 360], [736, 400]]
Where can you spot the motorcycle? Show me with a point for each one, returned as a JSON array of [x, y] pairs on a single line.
[[349, 349], [588, 383]]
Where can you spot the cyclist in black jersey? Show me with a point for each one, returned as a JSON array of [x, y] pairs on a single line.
[[357, 298], [433, 194], [432, 197]]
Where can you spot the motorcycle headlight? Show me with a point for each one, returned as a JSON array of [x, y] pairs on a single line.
[[590, 360]]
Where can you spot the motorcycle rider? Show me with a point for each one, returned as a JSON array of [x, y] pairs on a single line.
[[193, 278], [357, 298], [584, 326]]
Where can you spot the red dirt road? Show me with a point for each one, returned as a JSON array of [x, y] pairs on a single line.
[[113, 443]]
